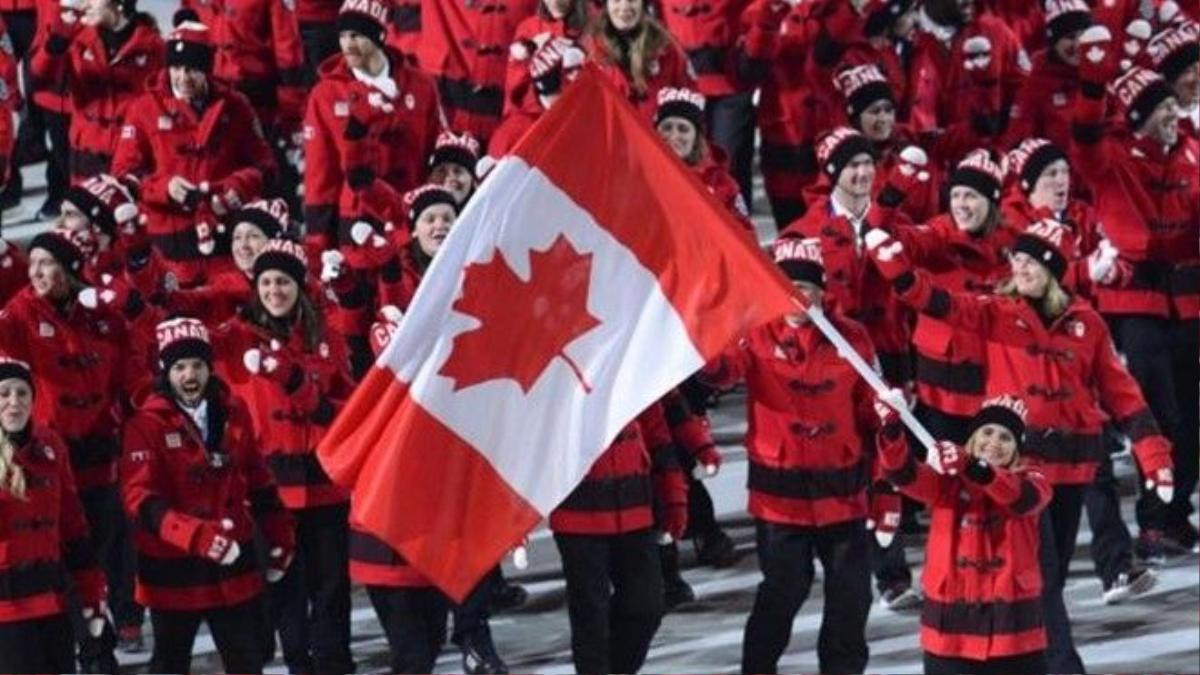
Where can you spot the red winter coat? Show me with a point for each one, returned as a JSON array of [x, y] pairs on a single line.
[[851, 281], [707, 30], [950, 364], [399, 137], [810, 421], [1148, 198], [214, 303], [101, 87], [49, 20], [1085, 227], [83, 367], [1068, 372], [259, 53], [1044, 105], [668, 68], [289, 420], [465, 47], [518, 83], [944, 93], [173, 481], [44, 537], [164, 137], [317, 11], [618, 492], [712, 171], [14, 271], [982, 581]]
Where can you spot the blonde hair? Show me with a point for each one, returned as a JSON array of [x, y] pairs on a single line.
[[970, 447], [12, 476], [1053, 303], [648, 41]]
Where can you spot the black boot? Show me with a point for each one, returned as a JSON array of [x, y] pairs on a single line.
[[479, 654], [715, 549], [676, 591]]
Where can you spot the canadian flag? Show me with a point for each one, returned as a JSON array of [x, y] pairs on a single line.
[[590, 274]]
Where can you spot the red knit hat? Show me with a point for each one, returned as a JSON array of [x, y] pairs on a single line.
[[1138, 92], [61, 245], [421, 198], [862, 86], [1050, 243], [800, 259], [182, 338], [1027, 161], [1064, 17], [978, 172], [461, 149], [368, 18], [838, 147], [270, 216], [284, 255], [105, 201], [190, 45], [1174, 50], [681, 102]]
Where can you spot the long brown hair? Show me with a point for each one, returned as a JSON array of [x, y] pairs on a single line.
[[635, 52], [304, 316], [1052, 304], [575, 21], [12, 477]]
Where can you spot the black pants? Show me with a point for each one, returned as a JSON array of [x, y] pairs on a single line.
[[785, 556], [320, 42], [414, 621], [614, 598], [58, 161], [112, 539], [44, 645], [1112, 547], [1059, 529], [234, 630], [311, 603], [1162, 355], [1033, 663], [731, 126], [472, 616]]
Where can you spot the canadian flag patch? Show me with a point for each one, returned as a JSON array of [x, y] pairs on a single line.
[[45, 329], [173, 440]]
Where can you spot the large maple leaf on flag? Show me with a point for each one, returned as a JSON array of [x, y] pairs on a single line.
[[518, 340]]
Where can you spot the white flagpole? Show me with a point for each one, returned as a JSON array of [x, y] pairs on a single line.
[[882, 390]]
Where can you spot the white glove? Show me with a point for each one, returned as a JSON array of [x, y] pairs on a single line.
[[1163, 484], [362, 233], [1101, 264], [977, 53], [96, 616], [520, 557], [331, 265]]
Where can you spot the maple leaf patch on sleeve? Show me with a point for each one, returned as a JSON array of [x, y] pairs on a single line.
[[525, 324]]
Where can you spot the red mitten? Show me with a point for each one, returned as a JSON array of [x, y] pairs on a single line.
[[979, 62], [907, 177], [670, 489], [1137, 34], [887, 253], [213, 542], [947, 458], [116, 293], [1098, 63], [96, 616], [274, 363], [708, 462], [1162, 481], [885, 513]]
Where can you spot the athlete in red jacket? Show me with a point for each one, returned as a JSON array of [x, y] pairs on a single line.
[[194, 482], [1056, 350], [637, 54], [680, 121], [1146, 180], [371, 124], [605, 535], [103, 61], [983, 590], [553, 18], [196, 151], [293, 374], [43, 536], [465, 47], [809, 415]]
